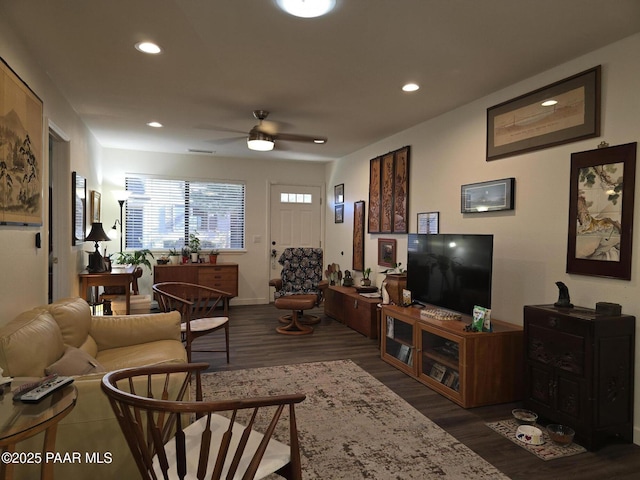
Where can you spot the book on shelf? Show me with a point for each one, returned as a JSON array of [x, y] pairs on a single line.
[[403, 353], [437, 372]]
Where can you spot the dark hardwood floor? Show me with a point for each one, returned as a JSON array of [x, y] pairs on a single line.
[[255, 343]]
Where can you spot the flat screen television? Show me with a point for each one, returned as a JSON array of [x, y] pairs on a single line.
[[451, 271]]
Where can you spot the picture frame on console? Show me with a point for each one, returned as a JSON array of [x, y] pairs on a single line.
[[562, 112], [601, 206]]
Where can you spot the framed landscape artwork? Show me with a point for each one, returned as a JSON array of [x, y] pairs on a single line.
[[387, 252], [21, 155], [563, 112], [491, 196], [601, 205]]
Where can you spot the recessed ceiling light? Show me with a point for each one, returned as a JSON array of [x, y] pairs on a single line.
[[307, 8], [148, 47], [155, 124], [410, 87], [319, 140], [549, 103]]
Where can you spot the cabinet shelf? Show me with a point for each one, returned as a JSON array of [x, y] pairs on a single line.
[[469, 368]]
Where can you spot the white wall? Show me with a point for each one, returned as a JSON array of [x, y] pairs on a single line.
[[530, 243], [23, 283], [253, 264]]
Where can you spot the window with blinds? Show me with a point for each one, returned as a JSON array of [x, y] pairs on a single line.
[[161, 213]]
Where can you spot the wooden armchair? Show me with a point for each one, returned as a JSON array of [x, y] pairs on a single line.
[[197, 305], [153, 408]]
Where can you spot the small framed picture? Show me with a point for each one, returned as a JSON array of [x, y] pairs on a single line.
[[428, 222], [489, 196], [95, 206], [339, 211], [338, 192], [387, 252]]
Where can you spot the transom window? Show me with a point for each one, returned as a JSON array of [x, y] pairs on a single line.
[[161, 213], [295, 198]]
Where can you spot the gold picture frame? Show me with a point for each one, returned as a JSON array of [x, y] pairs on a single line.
[[96, 204], [21, 180]]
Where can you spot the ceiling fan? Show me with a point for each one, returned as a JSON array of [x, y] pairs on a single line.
[[262, 136]]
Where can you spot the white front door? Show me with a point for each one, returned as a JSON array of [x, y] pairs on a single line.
[[295, 218]]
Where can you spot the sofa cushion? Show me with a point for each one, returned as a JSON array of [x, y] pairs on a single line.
[[74, 362], [30, 343], [143, 354], [74, 319]]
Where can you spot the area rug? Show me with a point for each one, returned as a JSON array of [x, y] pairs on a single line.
[[352, 427], [547, 451]]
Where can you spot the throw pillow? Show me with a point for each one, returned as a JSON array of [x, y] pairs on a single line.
[[74, 362]]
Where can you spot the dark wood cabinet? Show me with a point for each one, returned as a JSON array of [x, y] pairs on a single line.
[[347, 306], [579, 371], [223, 276]]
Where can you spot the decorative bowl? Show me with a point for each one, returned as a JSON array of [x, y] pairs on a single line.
[[561, 434], [530, 435], [524, 417]]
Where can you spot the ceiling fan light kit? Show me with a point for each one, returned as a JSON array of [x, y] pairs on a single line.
[[259, 141]]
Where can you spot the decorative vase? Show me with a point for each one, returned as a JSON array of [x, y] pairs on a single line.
[[174, 259], [396, 282], [385, 293], [213, 258], [194, 258]]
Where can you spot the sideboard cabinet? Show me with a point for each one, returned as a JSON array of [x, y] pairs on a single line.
[[222, 276], [470, 368], [579, 371], [347, 306]]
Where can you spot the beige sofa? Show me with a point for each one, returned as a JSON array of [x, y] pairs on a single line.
[[64, 338]]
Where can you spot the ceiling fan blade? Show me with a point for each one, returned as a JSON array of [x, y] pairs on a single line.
[[225, 141], [292, 137], [218, 128]]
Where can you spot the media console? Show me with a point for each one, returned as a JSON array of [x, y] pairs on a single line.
[[347, 306], [470, 368]]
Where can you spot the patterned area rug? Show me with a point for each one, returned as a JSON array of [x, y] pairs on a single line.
[[547, 451], [352, 427]]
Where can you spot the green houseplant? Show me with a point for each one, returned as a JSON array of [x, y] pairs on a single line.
[[366, 281], [194, 246], [137, 257]]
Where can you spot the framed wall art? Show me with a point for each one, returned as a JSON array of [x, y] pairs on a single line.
[[78, 208], [428, 222], [389, 192], [489, 196], [95, 206], [601, 205], [338, 193], [339, 213], [358, 236], [387, 252], [21, 160], [563, 112]]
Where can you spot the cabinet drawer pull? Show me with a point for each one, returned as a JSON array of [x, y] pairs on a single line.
[[553, 322]]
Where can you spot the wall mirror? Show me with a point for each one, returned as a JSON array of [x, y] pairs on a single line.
[[78, 208]]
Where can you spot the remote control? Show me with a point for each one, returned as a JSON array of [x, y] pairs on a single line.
[[45, 389]]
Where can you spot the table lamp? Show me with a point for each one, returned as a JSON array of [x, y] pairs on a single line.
[[96, 262]]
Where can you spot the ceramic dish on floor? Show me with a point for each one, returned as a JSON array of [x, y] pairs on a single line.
[[530, 435]]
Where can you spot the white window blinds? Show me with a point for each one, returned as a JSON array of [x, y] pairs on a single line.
[[161, 213]]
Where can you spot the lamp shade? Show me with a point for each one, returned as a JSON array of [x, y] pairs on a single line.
[[97, 233], [259, 141]]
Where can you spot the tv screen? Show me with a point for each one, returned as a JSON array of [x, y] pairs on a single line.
[[451, 271]]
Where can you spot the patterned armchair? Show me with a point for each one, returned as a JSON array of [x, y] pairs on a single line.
[[299, 288]]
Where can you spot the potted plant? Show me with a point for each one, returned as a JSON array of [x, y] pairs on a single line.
[[185, 254], [174, 256], [194, 247], [137, 257], [213, 255], [366, 281]]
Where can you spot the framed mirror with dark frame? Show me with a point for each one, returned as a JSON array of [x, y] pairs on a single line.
[[78, 208]]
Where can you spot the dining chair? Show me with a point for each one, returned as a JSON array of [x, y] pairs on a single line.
[[172, 436], [197, 305]]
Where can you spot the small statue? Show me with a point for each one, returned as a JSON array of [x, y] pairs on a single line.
[[564, 301], [347, 281]]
